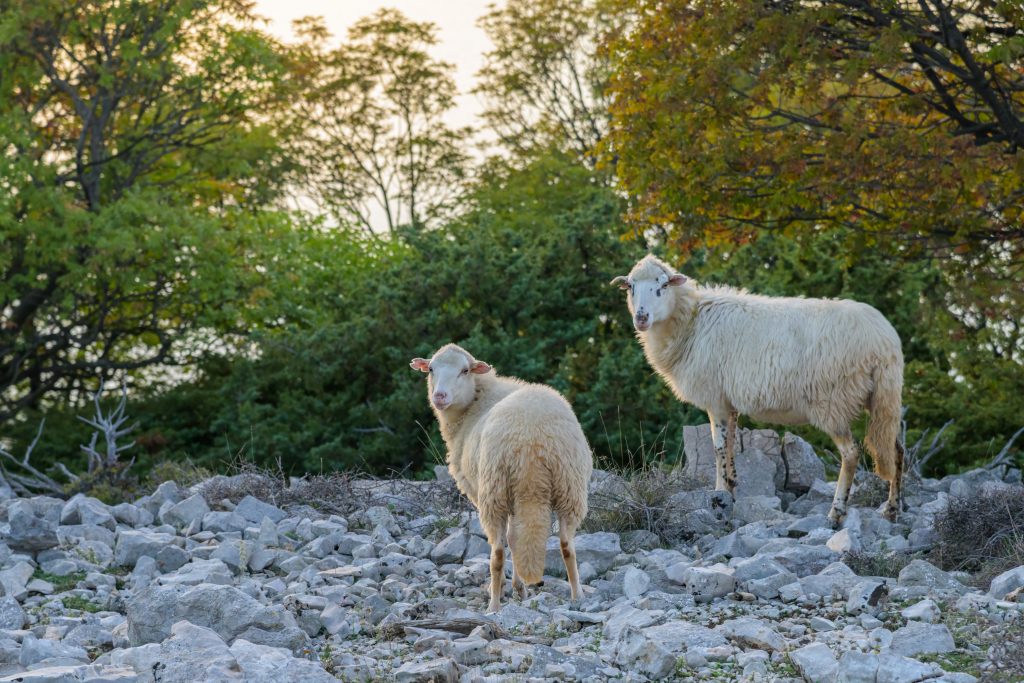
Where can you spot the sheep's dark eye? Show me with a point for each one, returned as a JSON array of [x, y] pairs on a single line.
[[464, 371]]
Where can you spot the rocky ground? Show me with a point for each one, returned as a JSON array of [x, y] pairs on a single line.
[[179, 587]]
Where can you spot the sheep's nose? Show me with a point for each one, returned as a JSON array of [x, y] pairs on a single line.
[[440, 398], [642, 320]]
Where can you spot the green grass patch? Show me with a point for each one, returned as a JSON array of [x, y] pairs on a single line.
[[60, 583], [81, 604]]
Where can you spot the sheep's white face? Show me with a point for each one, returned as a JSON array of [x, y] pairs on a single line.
[[450, 380], [650, 298]]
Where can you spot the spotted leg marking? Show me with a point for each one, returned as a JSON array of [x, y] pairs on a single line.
[[725, 470], [730, 452]]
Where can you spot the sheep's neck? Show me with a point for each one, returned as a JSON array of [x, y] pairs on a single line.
[[667, 342], [489, 390]]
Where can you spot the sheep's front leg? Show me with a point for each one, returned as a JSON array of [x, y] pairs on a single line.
[[725, 469], [730, 452], [497, 542], [847, 471]]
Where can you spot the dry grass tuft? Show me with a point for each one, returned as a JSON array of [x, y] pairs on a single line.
[[338, 493], [639, 499], [982, 534], [330, 493], [888, 564]]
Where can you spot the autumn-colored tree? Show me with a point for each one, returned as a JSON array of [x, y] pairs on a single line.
[[379, 150], [892, 128], [902, 123], [134, 152], [544, 81]]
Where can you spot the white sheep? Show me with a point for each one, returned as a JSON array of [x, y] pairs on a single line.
[[517, 451], [782, 360]]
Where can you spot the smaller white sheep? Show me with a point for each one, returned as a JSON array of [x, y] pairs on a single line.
[[517, 451]]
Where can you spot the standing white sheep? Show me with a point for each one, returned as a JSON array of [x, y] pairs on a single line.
[[517, 451], [783, 360]]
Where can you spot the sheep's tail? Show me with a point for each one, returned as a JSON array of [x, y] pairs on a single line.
[[882, 439], [531, 526]]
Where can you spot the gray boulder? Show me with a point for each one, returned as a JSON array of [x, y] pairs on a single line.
[[926, 577], [599, 549], [33, 523], [815, 662], [441, 670], [132, 515], [14, 579], [81, 509], [132, 544], [755, 474], [254, 510], [918, 638], [12, 616], [83, 673], [635, 651], [803, 466], [183, 514], [35, 650], [1007, 582], [680, 636], [707, 583], [754, 633], [224, 609], [264, 664], [191, 653], [451, 549]]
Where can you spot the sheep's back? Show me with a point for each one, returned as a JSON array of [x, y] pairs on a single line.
[[786, 357], [532, 447]]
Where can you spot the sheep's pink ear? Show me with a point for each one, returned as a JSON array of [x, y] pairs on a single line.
[[676, 280], [479, 367], [621, 281], [421, 364]]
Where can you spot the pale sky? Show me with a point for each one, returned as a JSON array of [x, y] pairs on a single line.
[[461, 42]]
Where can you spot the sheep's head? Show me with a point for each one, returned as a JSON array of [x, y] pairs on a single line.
[[649, 285], [450, 380]]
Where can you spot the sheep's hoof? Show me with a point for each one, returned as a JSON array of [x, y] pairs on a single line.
[[575, 604], [890, 513], [835, 519], [493, 607]]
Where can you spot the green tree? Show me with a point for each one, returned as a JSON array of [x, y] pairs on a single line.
[[378, 146], [521, 280], [136, 152], [544, 81]]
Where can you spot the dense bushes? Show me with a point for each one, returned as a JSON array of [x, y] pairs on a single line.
[[320, 380]]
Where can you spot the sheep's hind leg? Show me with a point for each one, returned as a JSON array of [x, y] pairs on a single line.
[[894, 506], [566, 538], [518, 585], [850, 456]]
